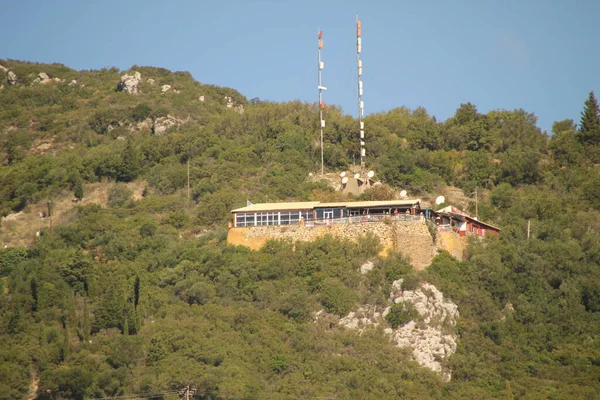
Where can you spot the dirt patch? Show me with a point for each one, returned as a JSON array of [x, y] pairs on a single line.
[[21, 229]]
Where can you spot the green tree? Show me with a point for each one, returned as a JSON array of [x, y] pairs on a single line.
[[78, 190], [564, 142], [589, 127], [131, 163]]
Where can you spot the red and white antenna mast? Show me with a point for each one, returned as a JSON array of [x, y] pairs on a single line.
[[361, 104], [321, 90]]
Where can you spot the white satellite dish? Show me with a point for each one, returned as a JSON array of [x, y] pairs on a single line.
[[403, 194], [345, 180], [370, 174], [439, 200], [343, 174], [356, 176]]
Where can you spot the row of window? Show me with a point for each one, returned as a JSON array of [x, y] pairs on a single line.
[[293, 217], [272, 218]]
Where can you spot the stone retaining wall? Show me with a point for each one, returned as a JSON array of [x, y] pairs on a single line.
[[411, 238]]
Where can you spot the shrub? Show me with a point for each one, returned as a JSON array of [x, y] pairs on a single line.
[[401, 313], [336, 297], [141, 112], [178, 219], [148, 229], [118, 194]]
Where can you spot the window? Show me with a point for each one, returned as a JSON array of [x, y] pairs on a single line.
[[244, 219]]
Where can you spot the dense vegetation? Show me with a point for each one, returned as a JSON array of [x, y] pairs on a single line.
[[145, 297]]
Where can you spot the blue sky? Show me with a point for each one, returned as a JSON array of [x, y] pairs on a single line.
[[539, 55]]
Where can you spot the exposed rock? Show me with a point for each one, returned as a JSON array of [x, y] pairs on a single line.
[[162, 124], [229, 101], [145, 124], [431, 338], [507, 311], [366, 267], [3, 69], [73, 83], [130, 83], [165, 88], [362, 319], [150, 81], [239, 109], [201, 98], [43, 79], [12, 78]]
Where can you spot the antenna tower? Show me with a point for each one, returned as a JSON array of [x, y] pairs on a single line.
[[361, 108], [321, 90]]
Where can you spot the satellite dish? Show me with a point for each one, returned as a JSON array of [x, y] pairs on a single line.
[[343, 174], [345, 180], [356, 176], [403, 194], [370, 174], [440, 199]]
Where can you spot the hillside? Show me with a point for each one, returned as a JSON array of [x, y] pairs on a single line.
[[134, 290]]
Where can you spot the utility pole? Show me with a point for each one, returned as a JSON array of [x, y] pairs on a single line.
[[476, 213], [321, 90], [188, 181], [50, 212]]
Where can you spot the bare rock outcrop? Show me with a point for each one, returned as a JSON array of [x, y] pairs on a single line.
[[432, 339], [43, 79], [162, 124], [165, 88], [130, 83], [3, 70], [430, 336], [12, 78]]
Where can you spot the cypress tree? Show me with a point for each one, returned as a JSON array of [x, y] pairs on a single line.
[[78, 190], [130, 165], [136, 292], [589, 127]]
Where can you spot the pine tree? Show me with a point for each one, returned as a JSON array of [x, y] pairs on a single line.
[[589, 127]]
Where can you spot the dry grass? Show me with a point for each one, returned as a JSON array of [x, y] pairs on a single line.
[[20, 229]]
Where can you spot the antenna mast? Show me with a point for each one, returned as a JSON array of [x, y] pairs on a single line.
[[361, 108], [321, 89]]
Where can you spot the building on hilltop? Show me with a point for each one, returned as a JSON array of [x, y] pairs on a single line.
[[401, 226], [312, 213]]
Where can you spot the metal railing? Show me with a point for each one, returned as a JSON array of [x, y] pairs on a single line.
[[364, 219]]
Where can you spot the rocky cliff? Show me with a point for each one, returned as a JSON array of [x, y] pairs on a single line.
[[431, 335]]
